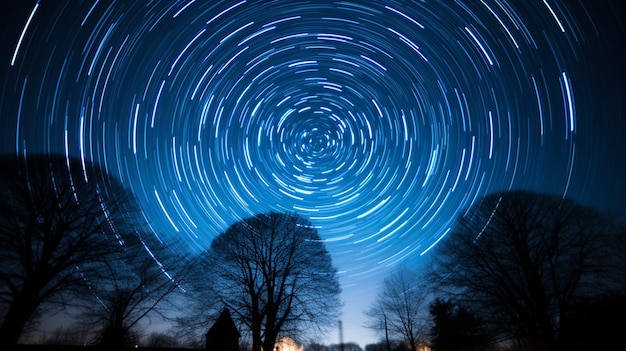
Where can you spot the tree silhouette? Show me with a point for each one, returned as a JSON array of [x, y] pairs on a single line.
[[400, 309], [522, 260], [142, 285], [391, 345], [595, 323], [162, 340], [274, 274], [60, 222], [316, 346], [456, 328]]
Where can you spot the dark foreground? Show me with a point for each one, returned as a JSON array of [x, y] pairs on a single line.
[[90, 348]]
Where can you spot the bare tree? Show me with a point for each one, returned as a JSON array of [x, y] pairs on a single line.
[[141, 285], [523, 259], [274, 274], [161, 340], [400, 309], [60, 221]]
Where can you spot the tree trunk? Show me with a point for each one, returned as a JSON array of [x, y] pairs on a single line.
[[15, 319], [268, 344], [257, 344], [387, 342]]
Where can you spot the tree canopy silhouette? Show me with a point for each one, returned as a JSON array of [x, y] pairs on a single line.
[[275, 275], [523, 259], [456, 328], [62, 222]]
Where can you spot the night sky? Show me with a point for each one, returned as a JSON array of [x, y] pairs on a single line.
[[380, 121]]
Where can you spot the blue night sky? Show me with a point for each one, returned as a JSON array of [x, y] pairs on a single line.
[[380, 121]]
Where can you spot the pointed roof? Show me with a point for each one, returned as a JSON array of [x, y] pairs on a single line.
[[224, 325]]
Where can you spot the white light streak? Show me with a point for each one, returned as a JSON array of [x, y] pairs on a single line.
[[569, 101], [223, 12], [405, 16], [135, 129], [19, 42], [184, 50], [164, 211], [380, 112], [379, 205], [183, 8], [480, 45], [554, 15], [490, 135]]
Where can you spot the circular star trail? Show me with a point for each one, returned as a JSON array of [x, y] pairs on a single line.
[[381, 121]]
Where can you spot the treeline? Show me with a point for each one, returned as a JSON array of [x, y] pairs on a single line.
[[75, 242], [518, 271]]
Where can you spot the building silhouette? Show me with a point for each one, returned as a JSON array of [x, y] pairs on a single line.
[[223, 335]]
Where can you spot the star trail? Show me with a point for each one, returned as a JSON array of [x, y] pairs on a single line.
[[380, 121]]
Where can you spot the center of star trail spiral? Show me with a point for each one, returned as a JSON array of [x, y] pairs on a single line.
[[381, 121]]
